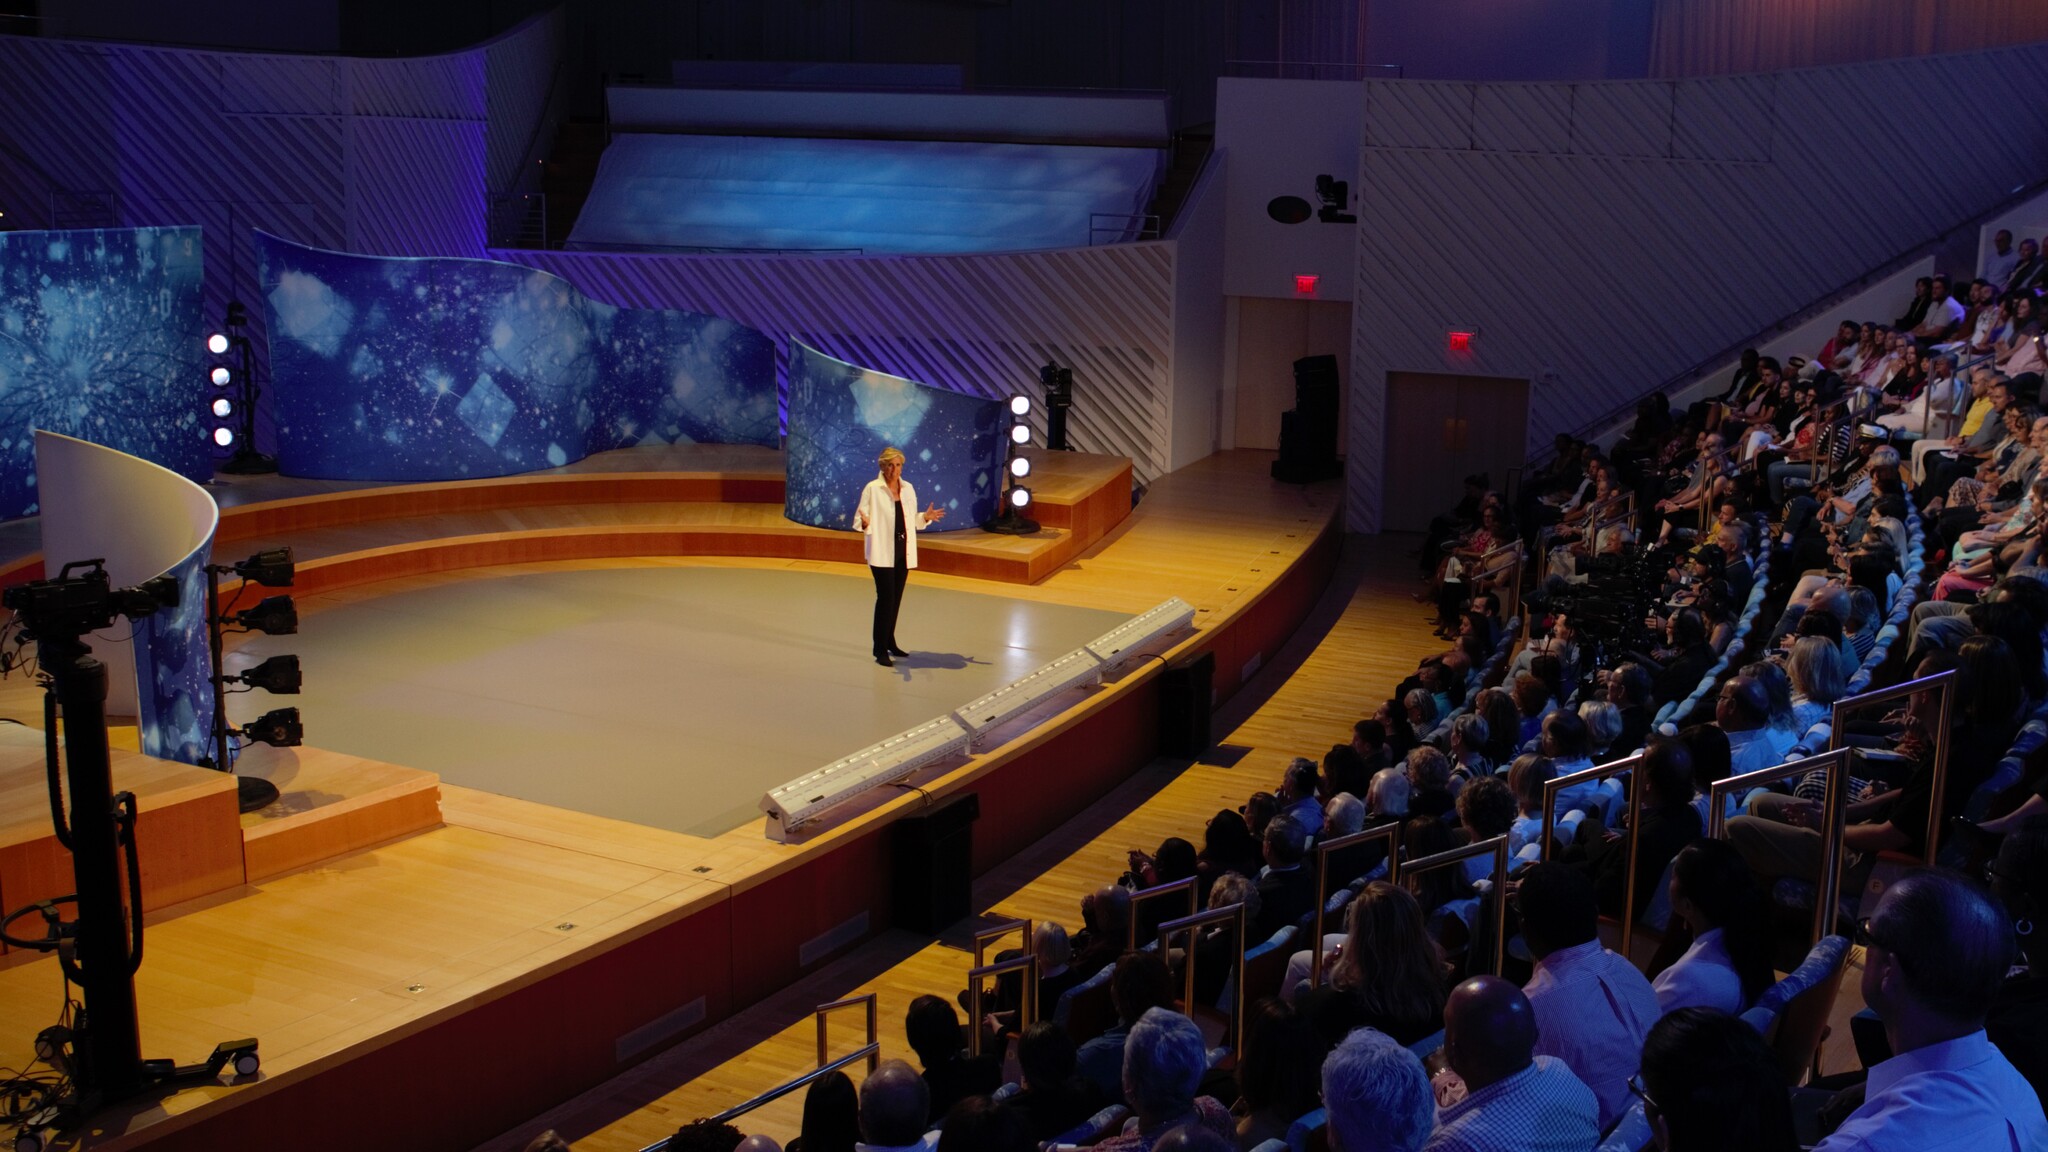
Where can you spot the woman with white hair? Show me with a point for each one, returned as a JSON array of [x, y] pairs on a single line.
[[1164, 1062], [1603, 728], [1469, 733], [886, 513]]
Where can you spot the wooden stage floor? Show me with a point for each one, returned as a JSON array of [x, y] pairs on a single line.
[[387, 955]]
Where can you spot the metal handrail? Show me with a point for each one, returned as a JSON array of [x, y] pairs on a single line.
[[1497, 847], [1167, 889], [866, 999], [1027, 1011], [1636, 786], [870, 1052], [1230, 913], [1833, 818], [1391, 833], [1945, 683], [995, 932]]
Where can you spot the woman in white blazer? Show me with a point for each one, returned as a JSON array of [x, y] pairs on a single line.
[[891, 544]]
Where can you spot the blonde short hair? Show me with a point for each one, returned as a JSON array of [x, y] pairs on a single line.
[[890, 456]]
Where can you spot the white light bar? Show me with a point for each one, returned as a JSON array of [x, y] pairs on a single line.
[[1020, 696], [1115, 646], [807, 797]]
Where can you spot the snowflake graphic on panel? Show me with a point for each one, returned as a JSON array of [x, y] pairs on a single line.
[[100, 338], [441, 368], [841, 416], [174, 668]]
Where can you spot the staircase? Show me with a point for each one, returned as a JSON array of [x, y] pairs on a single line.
[[1189, 151]]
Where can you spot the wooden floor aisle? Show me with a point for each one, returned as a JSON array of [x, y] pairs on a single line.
[[1377, 637]]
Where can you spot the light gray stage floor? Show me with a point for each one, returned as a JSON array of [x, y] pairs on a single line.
[[672, 697]]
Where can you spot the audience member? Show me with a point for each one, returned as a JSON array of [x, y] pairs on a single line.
[[1140, 983], [1276, 1072], [1192, 1138], [1369, 740], [1728, 964], [831, 1116], [1670, 822], [758, 1143], [1297, 795], [1711, 1084], [1429, 783], [1053, 1097], [979, 1124], [1164, 1061], [895, 1109], [1743, 711], [1503, 725], [1935, 956], [2018, 1022], [1345, 772], [1388, 973], [1376, 1096], [1592, 1007], [548, 1141], [1227, 846], [1287, 890], [950, 1074], [1106, 931], [1515, 1098], [1629, 689]]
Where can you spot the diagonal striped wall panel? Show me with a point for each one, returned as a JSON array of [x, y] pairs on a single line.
[[1658, 223], [981, 324], [379, 156]]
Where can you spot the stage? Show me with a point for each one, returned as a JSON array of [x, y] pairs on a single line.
[[385, 939], [670, 697]]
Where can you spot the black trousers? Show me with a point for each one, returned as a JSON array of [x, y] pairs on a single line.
[[889, 584]]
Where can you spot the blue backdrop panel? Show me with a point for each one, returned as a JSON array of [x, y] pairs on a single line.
[[174, 669], [679, 192], [101, 338], [841, 417], [423, 368]]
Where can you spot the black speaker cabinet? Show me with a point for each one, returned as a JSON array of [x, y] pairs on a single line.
[[1184, 691], [1308, 432], [933, 867]]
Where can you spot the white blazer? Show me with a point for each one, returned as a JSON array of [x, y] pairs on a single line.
[[876, 516]]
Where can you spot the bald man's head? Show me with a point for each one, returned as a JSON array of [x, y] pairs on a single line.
[[894, 1105], [1489, 1031], [1110, 908]]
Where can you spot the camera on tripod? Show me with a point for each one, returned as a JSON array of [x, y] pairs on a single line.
[[73, 605]]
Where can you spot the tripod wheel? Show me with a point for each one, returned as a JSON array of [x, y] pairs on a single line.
[[29, 1142], [247, 1063]]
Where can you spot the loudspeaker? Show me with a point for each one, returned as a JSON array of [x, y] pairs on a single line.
[[1184, 691], [1308, 432], [933, 866]]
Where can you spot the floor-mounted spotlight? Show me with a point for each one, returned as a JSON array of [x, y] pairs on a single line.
[[272, 616], [233, 404], [1009, 519]]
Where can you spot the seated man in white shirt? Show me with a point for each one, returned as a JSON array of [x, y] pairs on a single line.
[[894, 1107], [1593, 1007], [1743, 711], [1944, 314], [1935, 956]]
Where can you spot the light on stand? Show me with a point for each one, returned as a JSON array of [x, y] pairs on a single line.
[[1009, 519], [279, 728], [272, 616], [245, 459], [278, 675]]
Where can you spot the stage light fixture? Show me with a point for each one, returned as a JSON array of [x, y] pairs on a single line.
[[279, 728], [1020, 497], [223, 436], [244, 459], [223, 407], [1020, 405], [1020, 467], [221, 376], [271, 568], [272, 616], [217, 343], [279, 675], [1020, 434]]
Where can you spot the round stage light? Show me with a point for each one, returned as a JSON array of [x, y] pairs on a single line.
[[222, 408], [1020, 434], [1020, 405], [223, 436], [221, 376], [1020, 498], [1020, 467], [217, 343]]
